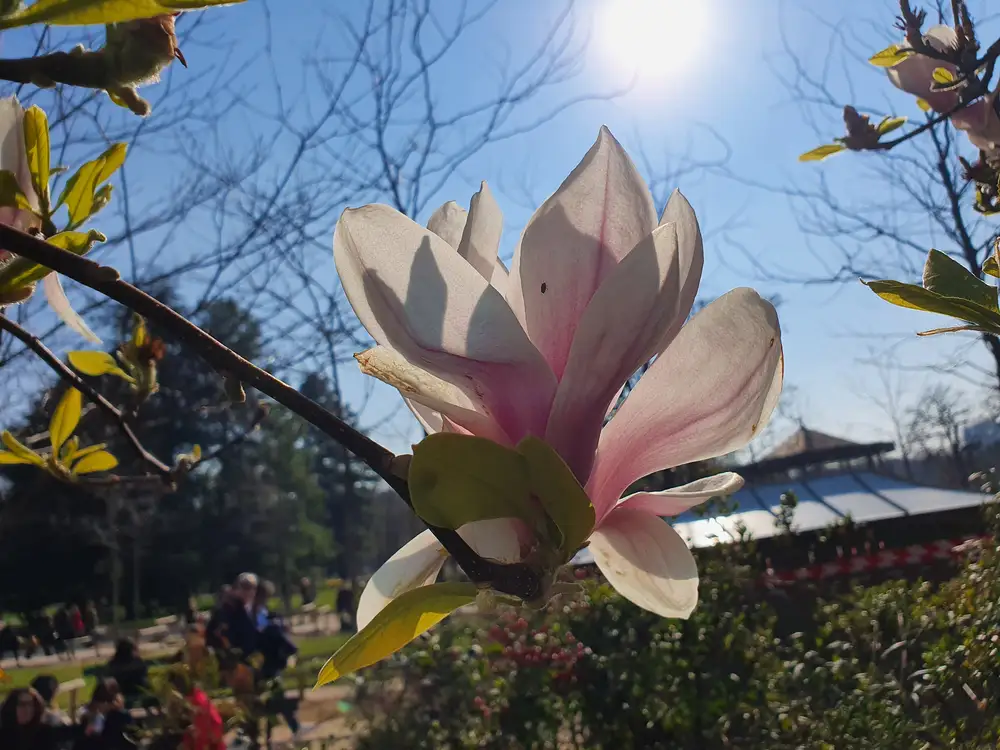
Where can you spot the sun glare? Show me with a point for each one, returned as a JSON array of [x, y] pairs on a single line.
[[653, 40]]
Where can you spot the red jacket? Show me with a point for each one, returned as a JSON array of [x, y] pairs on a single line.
[[206, 731]]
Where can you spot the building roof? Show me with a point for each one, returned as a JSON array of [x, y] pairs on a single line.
[[805, 440], [822, 501]]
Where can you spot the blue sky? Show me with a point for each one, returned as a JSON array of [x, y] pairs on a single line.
[[704, 71]]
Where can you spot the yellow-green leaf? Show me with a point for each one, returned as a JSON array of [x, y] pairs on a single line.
[[70, 448], [11, 193], [456, 479], [97, 363], [77, 454], [923, 104], [80, 192], [942, 76], [949, 278], [140, 334], [20, 450], [21, 271], [559, 493], [917, 298], [889, 124], [992, 265], [890, 56], [98, 460], [8, 459], [65, 418], [821, 152], [36, 141], [83, 12], [403, 619]]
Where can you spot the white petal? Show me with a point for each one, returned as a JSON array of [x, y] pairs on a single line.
[[416, 564], [430, 398], [13, 153], [60, 304], [448, 223], [573, 242], [497, 539], [647, 562], [500, 277], [414, 293], [708, 394], [481, 238], [676, 500]]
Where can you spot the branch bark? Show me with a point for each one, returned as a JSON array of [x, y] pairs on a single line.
[[517, 579]]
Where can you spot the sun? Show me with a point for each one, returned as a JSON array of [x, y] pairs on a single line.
[[652, 40]]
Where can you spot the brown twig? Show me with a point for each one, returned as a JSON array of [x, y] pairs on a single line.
[[69, 375], [86, 70], [517, 579]]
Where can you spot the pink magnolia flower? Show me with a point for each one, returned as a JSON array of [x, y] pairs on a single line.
[[914, 75], [597, 287], [14, 158], [980, 122]]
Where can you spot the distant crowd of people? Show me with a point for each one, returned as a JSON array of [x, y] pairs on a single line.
[[49, 634]]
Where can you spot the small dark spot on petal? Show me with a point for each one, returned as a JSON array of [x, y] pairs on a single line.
[[544, 287]]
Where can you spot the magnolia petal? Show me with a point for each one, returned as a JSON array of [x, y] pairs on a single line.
[[413, 292], [13, 153], [573, 241], [980, 122], [914, 75], [502, 539], [448, 223], [417, 563], [637, 311], [60, 303], [647, 562], [438, 400], [500, 277], [706, 395], [677, 500], [481, 237]]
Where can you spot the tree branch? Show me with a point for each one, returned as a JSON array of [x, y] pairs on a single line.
[[66, 373], [517, 579]]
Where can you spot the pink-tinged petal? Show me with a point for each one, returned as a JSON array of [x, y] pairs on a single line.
[[500, 278], [413, 293], [618, 332], [448, 223], [636, 312], [707, 395], [436, 403], [481, 237], [573, 241], [647, 562], [980, 122], [914, 75], [677, 500], [416, 564], [506, 540], [60, 303], [13, 152]]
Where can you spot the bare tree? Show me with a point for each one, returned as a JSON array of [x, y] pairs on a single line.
[[935, 426], [881, 220]]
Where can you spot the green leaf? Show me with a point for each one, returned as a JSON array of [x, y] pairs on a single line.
[[77, 454], [917, 298], [11, 193], [890, 56], [403, 619], [80, 192], [70, 448], [21, 271], [97, 363], [457, 479], [82, 12], [36, 141], [889, 124], [821, 152], [949, 278], [65, 419], [560, 494], [98, 460], [923, 104], [20, 450], [992, 265]]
